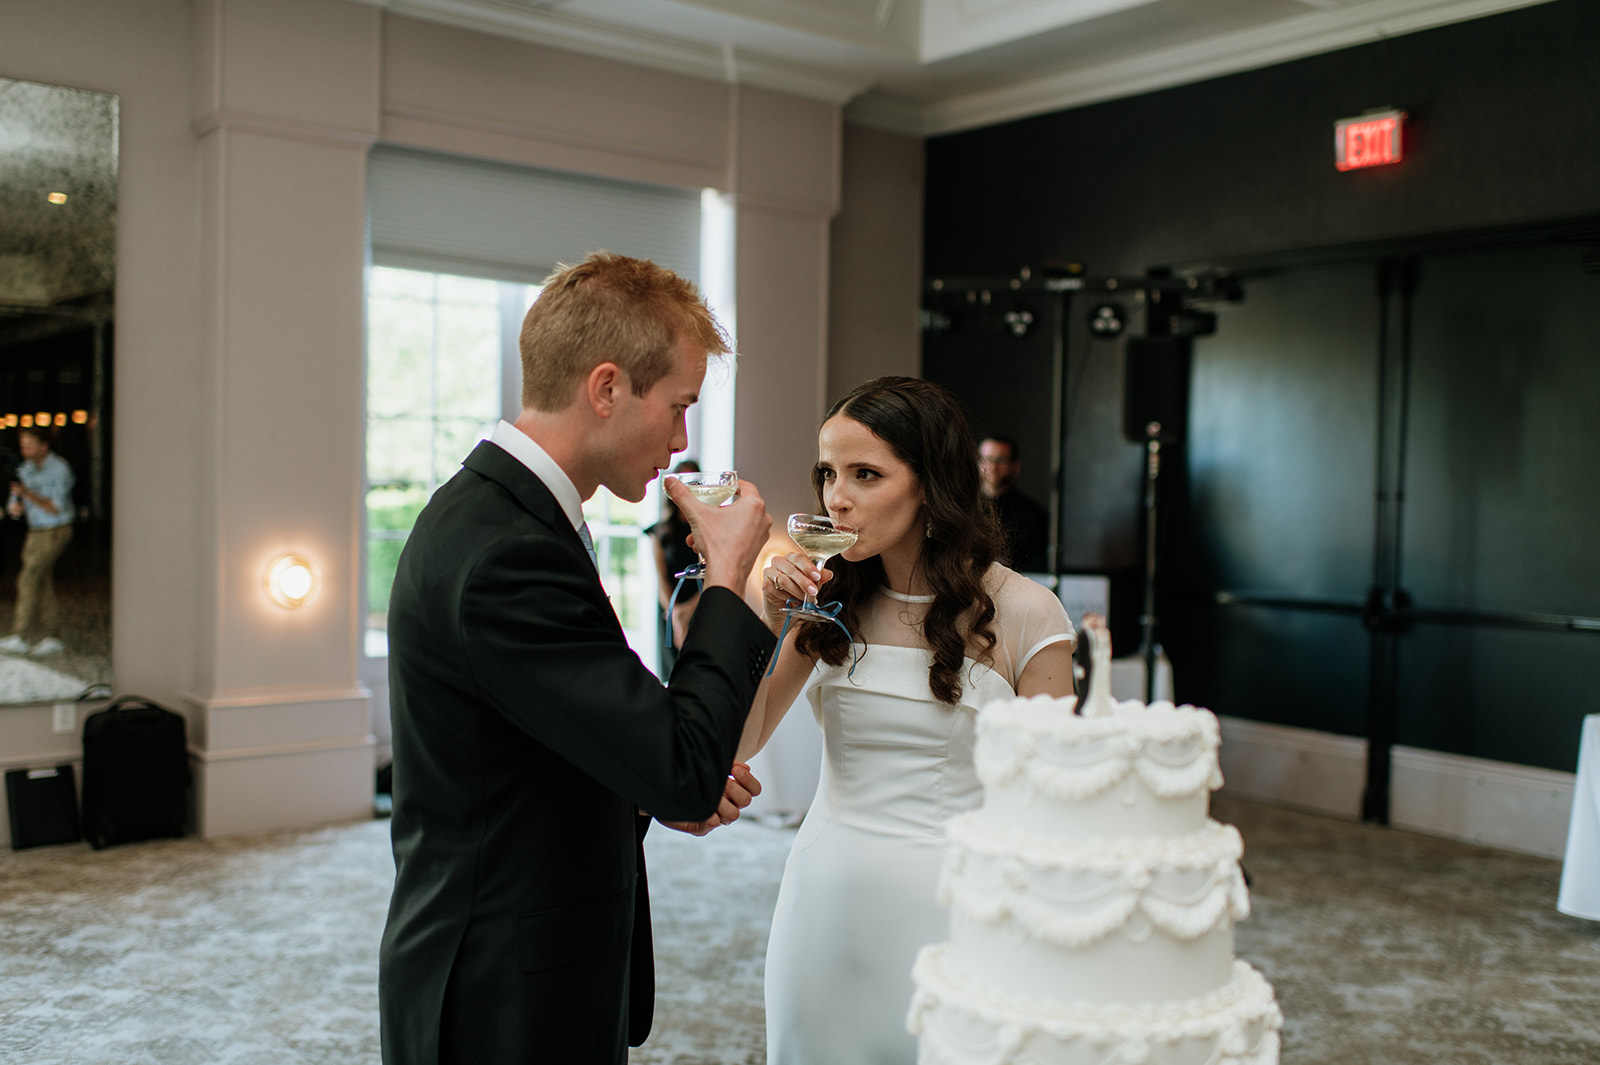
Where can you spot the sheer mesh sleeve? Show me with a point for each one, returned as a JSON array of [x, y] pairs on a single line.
[[1028, 618]]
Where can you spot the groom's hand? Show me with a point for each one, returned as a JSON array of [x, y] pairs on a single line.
[[730, 538], [741, 788]]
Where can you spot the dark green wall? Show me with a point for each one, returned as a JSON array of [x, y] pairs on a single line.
[[1273, 491], [1504, 129]]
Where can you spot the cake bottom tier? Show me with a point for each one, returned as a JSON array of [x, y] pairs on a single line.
[[960, 1023]]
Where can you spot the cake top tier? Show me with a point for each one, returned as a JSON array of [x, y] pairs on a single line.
[[1172, 749], [1055, 719], [1062, 720]]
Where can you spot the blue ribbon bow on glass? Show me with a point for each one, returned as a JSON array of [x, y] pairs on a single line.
[[821, 612], [792, 609]]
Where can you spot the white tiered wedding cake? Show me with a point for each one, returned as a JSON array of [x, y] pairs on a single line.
[[1092, 898]]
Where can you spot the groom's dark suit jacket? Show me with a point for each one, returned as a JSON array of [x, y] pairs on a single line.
[[526, 735]]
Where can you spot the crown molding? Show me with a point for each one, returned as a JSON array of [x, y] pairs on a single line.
[[282, 128], [607, 41], [1317, 31], [1231, 53], [891, 114]]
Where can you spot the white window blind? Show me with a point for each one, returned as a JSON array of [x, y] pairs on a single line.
[[516, 223]]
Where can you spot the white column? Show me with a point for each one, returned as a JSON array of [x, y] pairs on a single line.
[[785, 179], [287, 108]]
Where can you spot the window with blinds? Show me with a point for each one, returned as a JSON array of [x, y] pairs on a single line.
[[515, 223], [458, 248]]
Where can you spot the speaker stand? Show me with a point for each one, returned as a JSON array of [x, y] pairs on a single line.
[[1149, 647]]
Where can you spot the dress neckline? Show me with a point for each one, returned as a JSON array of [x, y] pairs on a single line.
[[903, 597]]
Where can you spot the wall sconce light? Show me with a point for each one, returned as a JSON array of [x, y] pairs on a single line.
[[291, 580]]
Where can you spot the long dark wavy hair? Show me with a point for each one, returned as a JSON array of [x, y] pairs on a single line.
[[924, 426]]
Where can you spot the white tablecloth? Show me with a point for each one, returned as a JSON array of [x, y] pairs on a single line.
[[1580, 869]]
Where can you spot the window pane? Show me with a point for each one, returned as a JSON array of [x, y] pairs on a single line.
[[434, 350], [383, 555], [621, 578], [389, 281], [455, 438], [394, 510], [391, 512], [469, 360], [433, 390], [468, 291], [400, 451], [399, 356]]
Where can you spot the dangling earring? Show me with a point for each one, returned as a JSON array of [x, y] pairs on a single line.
[[927, 530]]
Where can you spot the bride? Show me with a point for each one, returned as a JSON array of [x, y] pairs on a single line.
[[940, 629]]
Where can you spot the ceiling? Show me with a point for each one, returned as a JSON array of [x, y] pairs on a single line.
[[925, 67], [921, 67]]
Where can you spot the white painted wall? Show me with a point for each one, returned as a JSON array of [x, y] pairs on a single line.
[[239, 355], [875, 270]]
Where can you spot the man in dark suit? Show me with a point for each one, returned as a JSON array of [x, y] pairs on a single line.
[[527, 736], [1026, 523]]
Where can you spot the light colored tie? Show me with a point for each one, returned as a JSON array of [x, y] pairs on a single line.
[[588, 545]]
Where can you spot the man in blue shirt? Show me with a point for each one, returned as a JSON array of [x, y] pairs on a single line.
[[43, 492]]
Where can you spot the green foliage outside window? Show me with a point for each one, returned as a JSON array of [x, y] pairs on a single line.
[[433, 391], [391, 512], [434, 383]]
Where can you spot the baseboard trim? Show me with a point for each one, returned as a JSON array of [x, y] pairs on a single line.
[[286, 786], [1496, 804], [1475, 800], [278, 749]]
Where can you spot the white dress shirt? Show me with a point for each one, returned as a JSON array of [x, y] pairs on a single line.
[[521, 447]]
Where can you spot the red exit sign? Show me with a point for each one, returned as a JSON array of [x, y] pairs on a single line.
[[1372, 139]]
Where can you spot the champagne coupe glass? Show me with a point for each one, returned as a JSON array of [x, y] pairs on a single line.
[[820, 537], [713, 488]]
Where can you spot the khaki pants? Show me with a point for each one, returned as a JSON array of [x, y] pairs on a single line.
[[37, 613]]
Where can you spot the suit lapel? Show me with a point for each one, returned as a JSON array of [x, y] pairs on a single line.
[[494, 462], [491, 461]]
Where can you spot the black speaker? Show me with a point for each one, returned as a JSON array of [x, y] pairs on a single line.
[[1156, 387]]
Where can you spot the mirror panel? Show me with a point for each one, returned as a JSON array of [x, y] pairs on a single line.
[[58, 201]]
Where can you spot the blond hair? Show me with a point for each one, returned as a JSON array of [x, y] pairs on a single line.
[[610, 308]]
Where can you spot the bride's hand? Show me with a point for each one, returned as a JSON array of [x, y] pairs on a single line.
[[741, 787], [787, 577]]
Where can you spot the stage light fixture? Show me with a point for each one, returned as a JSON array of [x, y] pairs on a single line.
[[1018, 321], [1107, 321]]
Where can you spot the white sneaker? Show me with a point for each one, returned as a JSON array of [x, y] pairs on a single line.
[[48, 646], [13, 644]]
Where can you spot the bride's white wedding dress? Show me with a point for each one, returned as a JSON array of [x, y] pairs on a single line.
[[858, 892]]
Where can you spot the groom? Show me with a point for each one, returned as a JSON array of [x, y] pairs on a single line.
[[527, 736]]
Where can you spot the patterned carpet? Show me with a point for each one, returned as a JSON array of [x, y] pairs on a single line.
[[1385, 947]]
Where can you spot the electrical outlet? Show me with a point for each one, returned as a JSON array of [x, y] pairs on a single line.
[[66, 717]]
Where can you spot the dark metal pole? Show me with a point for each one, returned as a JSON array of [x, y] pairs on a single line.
[[1385, 613], [1152, 470]]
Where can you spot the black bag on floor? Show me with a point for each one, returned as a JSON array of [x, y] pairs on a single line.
[[43, 804], [135, 773]]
